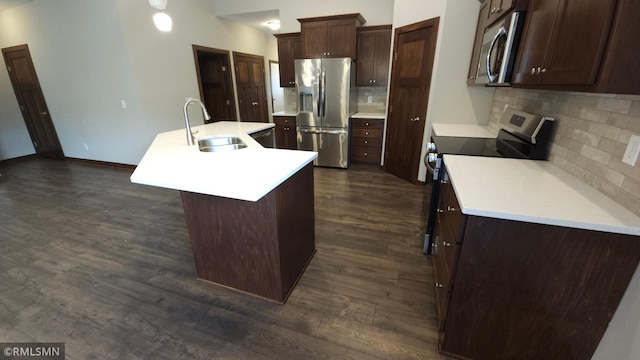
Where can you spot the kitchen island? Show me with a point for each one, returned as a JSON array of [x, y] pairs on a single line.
[[529, 262], [249, 212]]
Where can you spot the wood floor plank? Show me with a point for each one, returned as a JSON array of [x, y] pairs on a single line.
[[105, 266]]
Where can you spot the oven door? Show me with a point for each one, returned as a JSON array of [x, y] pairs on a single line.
[[499, 48]]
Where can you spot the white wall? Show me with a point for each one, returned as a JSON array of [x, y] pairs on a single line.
[[91, 54]]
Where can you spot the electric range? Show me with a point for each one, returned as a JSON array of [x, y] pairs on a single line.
[[522, 136]]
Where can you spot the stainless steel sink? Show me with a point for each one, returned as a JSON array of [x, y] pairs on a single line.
[[220, 143]]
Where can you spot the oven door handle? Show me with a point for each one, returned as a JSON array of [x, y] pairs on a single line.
[[501, 32], [430, 169]]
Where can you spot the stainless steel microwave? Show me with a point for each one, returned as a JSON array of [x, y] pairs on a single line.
[[499, 50]]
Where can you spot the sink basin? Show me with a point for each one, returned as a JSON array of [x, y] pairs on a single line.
[[220, 143]]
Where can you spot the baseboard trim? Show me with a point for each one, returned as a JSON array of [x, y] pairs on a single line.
[[19, 158], [102, 163]]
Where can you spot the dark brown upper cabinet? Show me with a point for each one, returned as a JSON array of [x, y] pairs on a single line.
[[289, 49], [330, 36], [498, 8], [588, 45], [374, 46], [477, 42]]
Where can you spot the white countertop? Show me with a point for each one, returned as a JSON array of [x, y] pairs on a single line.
[[366, 115], [464, 130], [534, 191], [285, 113], [244, 174]]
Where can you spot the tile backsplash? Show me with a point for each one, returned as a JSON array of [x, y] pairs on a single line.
[[377, 105], [591, 136]]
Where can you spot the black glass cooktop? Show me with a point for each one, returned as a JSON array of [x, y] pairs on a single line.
[[466, 146]]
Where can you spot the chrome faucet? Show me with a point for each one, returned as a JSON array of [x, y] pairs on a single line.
[[190, 138]]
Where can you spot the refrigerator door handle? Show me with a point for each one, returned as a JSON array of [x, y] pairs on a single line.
[[324, 93], [319, 103]]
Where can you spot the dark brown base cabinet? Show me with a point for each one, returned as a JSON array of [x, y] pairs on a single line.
[[286, 132], [366, 141], [515, 290], [261, 248]]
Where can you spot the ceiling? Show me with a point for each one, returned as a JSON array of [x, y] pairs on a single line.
[[7, 4], [256, 20]]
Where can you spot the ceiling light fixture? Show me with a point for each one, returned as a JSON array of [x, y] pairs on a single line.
[[162, 21], [274, 25]]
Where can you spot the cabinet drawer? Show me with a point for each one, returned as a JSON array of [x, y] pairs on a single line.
[[367, 142], [367, 133], [365, 154], [285, 120], [373, 124]]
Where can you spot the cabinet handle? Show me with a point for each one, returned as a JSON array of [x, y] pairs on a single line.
[[438, 285], [366, 124], [444, 181], [543, 70], [417, 118], [449, 208], [440, 210], [365, 154], [366, 133], [533, 71], [444, 243], [366, 142]]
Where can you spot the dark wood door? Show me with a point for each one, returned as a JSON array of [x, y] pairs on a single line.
[[289, 49], [563, 42], [251, 85], [414, 49], [214, 79], [32, 103]]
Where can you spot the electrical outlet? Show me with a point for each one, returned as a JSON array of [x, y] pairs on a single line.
[[369, 99], [633, 149], [86, 146]]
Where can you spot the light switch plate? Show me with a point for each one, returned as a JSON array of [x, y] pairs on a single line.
[[633, 149]]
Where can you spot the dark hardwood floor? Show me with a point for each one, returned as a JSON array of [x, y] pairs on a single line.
[[105, 266]]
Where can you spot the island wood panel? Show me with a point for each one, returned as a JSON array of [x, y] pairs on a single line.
[[258, 247], [534, 291]]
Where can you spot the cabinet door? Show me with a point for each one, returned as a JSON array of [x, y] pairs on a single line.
[[477, 43], [285, 132], [366, 55], [563, 42], [314, 39], [382, 55], [373, 55], [342, 38], [498, 8], [580, 37], [289, 49]]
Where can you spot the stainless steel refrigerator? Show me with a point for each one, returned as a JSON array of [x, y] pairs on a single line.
[[326, 99]]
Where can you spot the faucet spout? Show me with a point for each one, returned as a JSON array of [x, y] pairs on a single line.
[[190, 138]]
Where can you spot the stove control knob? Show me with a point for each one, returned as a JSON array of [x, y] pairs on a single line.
[[431, 157], [431, 147]]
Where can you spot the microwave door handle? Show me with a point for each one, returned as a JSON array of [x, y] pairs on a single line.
[[501, 32]]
